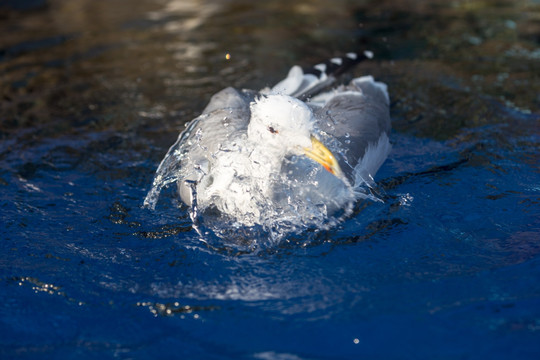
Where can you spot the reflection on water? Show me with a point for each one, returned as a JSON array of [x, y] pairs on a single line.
[[92, 93], [91, 58]]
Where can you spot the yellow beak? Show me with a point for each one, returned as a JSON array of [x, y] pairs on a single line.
[[323, 156]]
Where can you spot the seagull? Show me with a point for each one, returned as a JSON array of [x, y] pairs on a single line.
[[297, 153]]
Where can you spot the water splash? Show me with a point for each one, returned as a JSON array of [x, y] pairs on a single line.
[[301, 197]]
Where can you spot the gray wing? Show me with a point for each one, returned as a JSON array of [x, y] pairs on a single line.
[[226, 114], [358, 117], [190, 157]]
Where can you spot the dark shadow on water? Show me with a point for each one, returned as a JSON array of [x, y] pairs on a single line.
[[23, 5]]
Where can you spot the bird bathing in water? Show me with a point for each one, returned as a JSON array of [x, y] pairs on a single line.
[[297, 153]]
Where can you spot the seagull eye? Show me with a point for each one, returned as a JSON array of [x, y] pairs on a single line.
[[272, 130]]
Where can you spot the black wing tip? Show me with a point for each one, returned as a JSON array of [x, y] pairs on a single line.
[[338, 65], [365, 55]]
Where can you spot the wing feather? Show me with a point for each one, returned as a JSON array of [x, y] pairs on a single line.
[[357, 115], [226, 116]]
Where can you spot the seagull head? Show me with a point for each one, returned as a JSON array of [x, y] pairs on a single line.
[[283, 125]]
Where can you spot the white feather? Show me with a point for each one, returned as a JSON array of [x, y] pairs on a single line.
[[374, 157]]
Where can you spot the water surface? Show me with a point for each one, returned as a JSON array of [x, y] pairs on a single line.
[[92, 94]]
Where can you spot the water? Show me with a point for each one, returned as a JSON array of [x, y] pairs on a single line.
[[94, 92]]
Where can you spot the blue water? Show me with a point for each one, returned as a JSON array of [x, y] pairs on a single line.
[[447, 267]]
